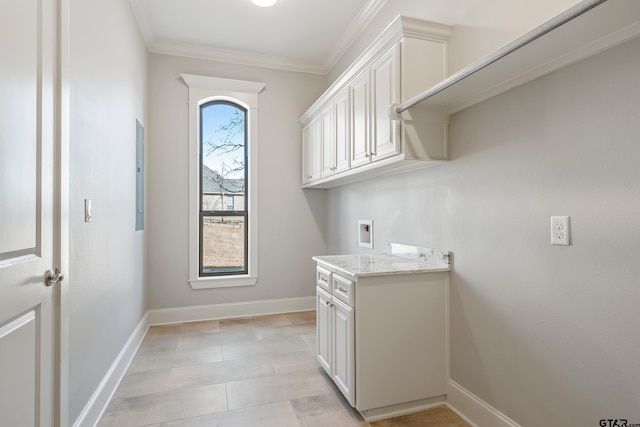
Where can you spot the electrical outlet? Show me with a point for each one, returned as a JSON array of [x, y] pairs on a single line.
[[560, 230]]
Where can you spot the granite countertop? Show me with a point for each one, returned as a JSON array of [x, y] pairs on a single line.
[[398, 259]]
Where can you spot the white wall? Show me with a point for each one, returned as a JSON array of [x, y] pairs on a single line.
[[480, 26], [106, 278], [291, 220], [546, 334]]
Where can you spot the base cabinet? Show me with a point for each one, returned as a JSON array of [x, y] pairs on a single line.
[[335, 341], [383, 339]]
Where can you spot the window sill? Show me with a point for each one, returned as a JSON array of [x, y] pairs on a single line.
[[222, 282]]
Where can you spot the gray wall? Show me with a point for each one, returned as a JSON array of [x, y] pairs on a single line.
[[546, 334], [106, 277], [290, 221]]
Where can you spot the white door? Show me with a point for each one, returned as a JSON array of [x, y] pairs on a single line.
[[343, 137], [324, 332], [385, 75], [27, 100], [328, 139], [360, 110], [311, 151], [343, 350]]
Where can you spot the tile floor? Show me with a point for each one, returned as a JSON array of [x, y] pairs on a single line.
[[255, 371]]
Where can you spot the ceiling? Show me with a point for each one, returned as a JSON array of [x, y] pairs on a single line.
[[300, 35]]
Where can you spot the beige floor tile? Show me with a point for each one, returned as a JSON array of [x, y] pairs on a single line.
[[272, 347], [255, 322], [169, 359], [261, 368], [207, 326], [310, 340], [221, 372], [282, 332], [141, 383], [165, 406], [294, 362], [275, 388], [436, 417], [156, 343], [279, 414], [326, 410], [208, 340], [302, 317]]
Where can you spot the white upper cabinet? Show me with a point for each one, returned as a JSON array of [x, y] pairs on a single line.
[[385, 84], [335, 137], [343, 131], [328, 140], [359, 138], [311, 156], [360, 120]]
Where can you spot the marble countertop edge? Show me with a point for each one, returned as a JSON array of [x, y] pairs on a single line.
[[377, 265]]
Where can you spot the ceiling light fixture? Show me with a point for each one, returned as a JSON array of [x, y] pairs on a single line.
[[264, 3]]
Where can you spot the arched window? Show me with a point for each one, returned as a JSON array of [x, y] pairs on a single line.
[[224, 187], [223, 199]]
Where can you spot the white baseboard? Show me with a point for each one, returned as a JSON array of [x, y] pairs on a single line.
[[474, 410], [231, 310], [93, 410], [402, 409]]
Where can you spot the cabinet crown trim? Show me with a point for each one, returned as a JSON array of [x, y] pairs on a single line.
[[401, 27]]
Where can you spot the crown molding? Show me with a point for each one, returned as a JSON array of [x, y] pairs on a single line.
[[353, 31], [235, 57], [425, 30], [143, 24]]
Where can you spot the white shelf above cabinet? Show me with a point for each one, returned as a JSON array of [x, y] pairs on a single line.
[[587, 28]]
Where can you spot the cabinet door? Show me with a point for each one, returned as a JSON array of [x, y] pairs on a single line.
[[360, 120], [328, 139], [385, 78], [311, 151], [343, 134], [324, 330], [343, 355]]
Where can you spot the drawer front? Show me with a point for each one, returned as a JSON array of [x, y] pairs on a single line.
[[344, 289], [323, 278]]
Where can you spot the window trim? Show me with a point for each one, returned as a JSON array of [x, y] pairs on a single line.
[[203, 89]]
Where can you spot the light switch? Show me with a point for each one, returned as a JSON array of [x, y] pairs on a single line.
[[87, 210]]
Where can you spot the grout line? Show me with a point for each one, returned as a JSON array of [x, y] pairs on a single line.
[[226, 393]]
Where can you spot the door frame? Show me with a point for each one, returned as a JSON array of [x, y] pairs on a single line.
[[61, 213]]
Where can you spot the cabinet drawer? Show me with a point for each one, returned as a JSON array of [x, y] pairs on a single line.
[[323, 278], [343, 289]]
